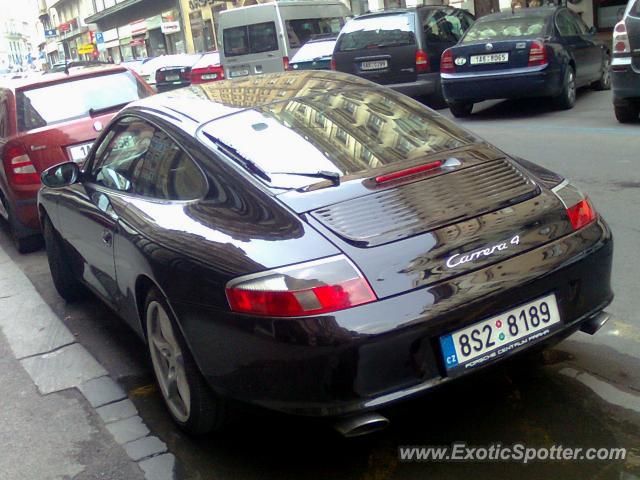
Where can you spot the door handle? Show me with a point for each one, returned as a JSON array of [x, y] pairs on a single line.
[[107, 238]]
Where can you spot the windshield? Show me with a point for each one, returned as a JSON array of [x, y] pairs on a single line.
[[313, 50], [509, 27], [379, 30], [50, 104], [256, 38], [300, 31], [345, 132]]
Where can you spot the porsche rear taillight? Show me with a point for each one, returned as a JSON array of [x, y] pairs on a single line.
[[537, 54], [621, 39], [446, 62], [422, 61], [579, 208], [19, 167], [310, 288]]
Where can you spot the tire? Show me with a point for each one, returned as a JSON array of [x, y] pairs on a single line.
[[627, 113], [24, 244], [461, 110], [604, 83], [567, 98], [66, 283], [190, 401]]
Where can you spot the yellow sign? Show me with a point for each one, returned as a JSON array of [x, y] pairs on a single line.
[[86, 48]]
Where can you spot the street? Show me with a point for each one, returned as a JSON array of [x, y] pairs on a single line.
[[584, 392]]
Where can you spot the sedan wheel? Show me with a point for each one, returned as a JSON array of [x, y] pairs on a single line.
[[626, 113], [567, 98], [189, 400]]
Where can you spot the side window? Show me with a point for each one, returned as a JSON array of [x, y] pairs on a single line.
[[566, 26], [581, 27], [120, 155], [443, 27], [168, 173]]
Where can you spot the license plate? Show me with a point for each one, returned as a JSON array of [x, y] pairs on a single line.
[[209, 76], [172, 78], [374, 65], [239, 73], [487, 340], [78, 153], [491, 58]]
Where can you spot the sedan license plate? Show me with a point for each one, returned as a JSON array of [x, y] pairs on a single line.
[[487, 340], [209, 76], [78, 153], [172, 78], [239, 73], [374, 65], [490, 58]]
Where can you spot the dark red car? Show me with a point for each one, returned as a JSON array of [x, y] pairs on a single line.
[[49, 119]]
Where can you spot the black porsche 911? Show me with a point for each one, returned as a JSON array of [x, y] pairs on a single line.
[[319, 245], [532, 52]]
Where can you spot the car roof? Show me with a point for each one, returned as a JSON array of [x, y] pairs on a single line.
[[396, 11], [211, 101], [523, 12], [83, 72]]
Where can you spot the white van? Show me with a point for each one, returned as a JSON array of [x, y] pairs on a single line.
[[262, 38]]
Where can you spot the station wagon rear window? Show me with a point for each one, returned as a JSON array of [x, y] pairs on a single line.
[[319, 133], [377, 32], [248, 39], [41, 106], [508, 27]]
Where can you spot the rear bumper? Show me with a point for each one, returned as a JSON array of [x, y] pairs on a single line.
[[23, 204], [166, 87], [625, 80], [534, 83], [373, 355], [426, 84]]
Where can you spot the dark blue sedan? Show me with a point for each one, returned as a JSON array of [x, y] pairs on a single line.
[[534, 52]]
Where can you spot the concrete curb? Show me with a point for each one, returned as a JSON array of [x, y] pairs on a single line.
[[49, 353]]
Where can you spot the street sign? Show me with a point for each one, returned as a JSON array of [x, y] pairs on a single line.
[[170, 27], [99, 37], [51, 33], [86, 48]]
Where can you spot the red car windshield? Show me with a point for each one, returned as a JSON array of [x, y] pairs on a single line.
[[41, 106]]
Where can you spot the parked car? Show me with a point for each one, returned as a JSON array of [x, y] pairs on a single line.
[[136, 64], [51, 119], [207, 69], [532, 52], [262, 38], [150, 69], [315, 54], [71, 64], [401, 48], [273, 250], [626, 65]]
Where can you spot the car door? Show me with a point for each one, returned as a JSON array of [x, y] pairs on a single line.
[[89, 210], [575, 44], [441, 29], [594, 48]]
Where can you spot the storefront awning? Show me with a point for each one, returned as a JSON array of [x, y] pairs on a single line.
[[96, 17]]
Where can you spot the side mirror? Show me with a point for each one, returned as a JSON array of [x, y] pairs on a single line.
[[61, 175], [593, 31]]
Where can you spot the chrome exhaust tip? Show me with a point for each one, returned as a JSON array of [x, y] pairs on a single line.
[[363, 424], [595, 323]]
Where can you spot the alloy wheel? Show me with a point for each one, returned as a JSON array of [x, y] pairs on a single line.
[[168, 362]]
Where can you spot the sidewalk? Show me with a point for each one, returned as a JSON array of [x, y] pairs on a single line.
[[61, 415]]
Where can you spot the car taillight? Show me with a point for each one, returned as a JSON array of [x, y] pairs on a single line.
[[446, 62], [19, 167], [285, 63], [159, 76], [621, 39], [333, 64], [579, 208], [422, 61], [185, 74], [538, 54], [310, 288]]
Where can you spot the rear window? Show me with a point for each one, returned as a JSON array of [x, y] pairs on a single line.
[[346, 132], [510, 27], [377, 31], [50, 104], [313, 50], [256, 38], [300, 31]]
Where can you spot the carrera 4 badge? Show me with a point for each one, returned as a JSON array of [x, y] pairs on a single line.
[[459, 259]]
